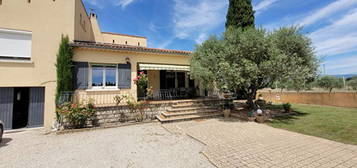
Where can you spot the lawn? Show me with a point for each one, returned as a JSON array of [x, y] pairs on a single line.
[[334, 123]]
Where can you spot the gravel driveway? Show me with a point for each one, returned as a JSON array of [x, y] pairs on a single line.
[[146, 145]]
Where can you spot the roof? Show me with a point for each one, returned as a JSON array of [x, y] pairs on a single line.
[[120, 47], [124, 35]]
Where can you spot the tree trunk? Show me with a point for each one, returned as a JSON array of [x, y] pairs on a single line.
[[250, 99]]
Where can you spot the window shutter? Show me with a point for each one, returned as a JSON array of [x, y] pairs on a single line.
[[81, 75], [124, 78]]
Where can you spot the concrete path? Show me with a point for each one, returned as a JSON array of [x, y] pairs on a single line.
[[247, 144], [146, 145]]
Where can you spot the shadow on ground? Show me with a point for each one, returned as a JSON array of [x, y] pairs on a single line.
[[5, 142], [288, 119]]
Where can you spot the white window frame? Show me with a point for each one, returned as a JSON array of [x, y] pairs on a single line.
[[104, 77]]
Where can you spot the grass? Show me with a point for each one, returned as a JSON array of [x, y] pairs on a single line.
[[333, 123]]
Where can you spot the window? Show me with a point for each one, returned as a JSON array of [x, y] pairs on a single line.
[[104, 76], [15, 44]]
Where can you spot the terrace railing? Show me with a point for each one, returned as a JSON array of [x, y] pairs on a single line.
[[172, 94]]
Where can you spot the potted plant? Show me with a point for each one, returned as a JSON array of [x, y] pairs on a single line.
[[227, 112], [260, 116], [251, 115]]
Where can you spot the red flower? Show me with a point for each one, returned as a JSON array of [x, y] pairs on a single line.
[[141, 73]]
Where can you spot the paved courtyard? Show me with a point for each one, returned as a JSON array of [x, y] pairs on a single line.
[[248, 144], [145, 145], [225, 143]]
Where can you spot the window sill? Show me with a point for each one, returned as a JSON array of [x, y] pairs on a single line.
[[102, 90], [16, 61]]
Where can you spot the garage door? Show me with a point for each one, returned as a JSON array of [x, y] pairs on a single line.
[[36, 107], [34, 114], [6, 106]]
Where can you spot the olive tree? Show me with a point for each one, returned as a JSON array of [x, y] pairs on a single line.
[[247, 60], [329, 82]]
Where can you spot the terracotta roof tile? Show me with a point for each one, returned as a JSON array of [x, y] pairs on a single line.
[[109, 46]]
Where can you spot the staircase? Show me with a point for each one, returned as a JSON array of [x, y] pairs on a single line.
[[191, 109]]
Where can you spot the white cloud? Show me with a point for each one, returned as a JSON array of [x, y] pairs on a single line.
[[327, 11], [165, 43], [264, 5], [342, 65], [201, 38], [123, 3], [193, 20], [337, 38]]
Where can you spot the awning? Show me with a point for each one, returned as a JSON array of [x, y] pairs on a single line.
[[164, 67]]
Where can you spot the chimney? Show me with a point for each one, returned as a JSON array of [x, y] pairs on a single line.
[[95, 27]]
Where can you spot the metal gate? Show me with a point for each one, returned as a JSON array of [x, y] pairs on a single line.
[[36, 107], [6, 106]]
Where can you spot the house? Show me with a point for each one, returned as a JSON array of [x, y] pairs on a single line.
[[105, 63]]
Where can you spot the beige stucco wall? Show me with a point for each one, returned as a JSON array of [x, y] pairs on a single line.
[[122, 39], [118, 57], [154, 79], [83, 30], [47, 20], [341, 99]]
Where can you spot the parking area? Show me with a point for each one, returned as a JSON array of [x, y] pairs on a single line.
[[145, 145], [200, 143], [233, 143]]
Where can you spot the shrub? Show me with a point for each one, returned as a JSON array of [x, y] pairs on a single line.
[[260, 103], [137, 108], [118, 99], [287, 107], [141, 80], [75, 115], [353, 84]]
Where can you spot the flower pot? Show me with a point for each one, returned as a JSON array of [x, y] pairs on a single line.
[[260, 119], [227, 113], [251, 118]]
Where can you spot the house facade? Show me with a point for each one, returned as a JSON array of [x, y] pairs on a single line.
[[105, 63]]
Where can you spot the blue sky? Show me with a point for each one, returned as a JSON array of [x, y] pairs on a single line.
[[181, 24]]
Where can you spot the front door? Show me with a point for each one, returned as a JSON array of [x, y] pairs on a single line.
[[21, 108]]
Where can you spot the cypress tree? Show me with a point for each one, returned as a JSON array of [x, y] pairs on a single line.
[[64, 67], [240, 14]]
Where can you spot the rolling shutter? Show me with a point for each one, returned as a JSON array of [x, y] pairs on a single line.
[[15, 44], [124, 76]]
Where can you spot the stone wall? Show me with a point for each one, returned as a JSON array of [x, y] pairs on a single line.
[[121, 114], [340, 99], [115, 115]]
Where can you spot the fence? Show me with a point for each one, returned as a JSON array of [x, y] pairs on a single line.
[[340, 99]]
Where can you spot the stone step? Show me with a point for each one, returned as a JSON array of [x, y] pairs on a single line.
[[189, 109], [189, 105], [168, 114], [163, 119], [183, 104]]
